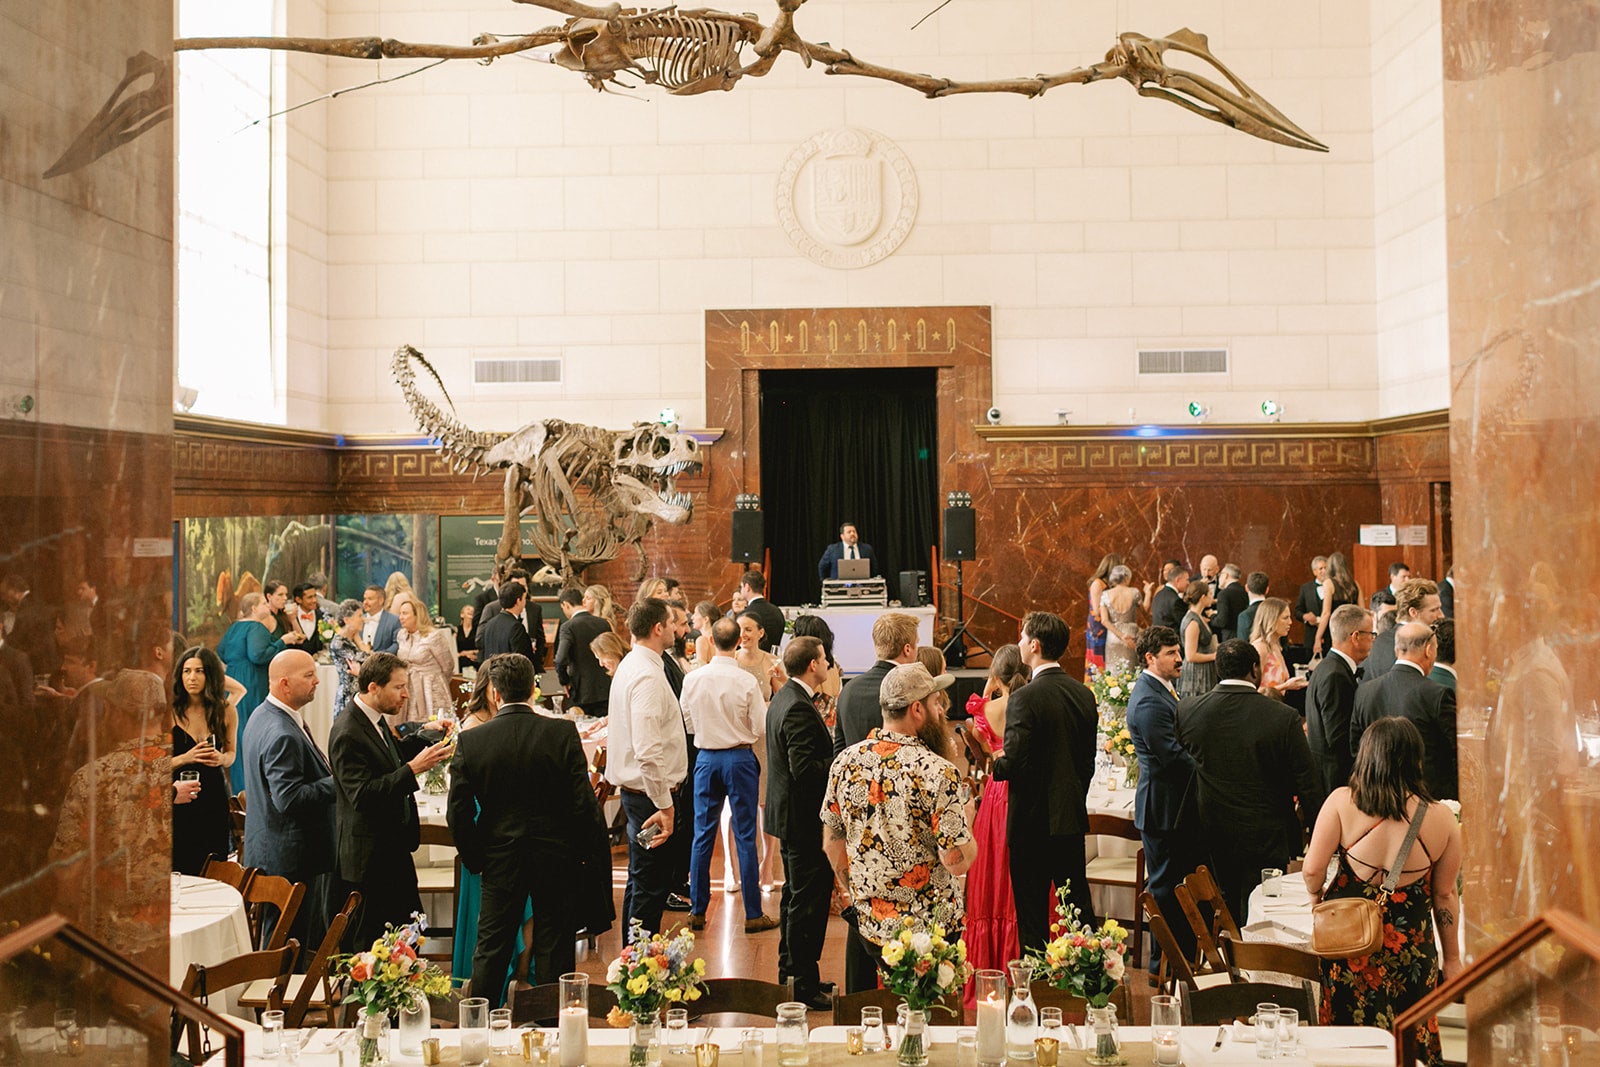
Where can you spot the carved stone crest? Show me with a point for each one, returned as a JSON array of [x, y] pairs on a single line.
[[847, 198]]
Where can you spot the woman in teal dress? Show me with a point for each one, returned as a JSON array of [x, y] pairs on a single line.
[[246, 649]]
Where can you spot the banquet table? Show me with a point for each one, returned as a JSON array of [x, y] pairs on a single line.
[[1326, 1046], [320, 712], [1118, 802], [208, 927]]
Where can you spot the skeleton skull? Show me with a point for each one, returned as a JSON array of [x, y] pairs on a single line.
[[646, 460]]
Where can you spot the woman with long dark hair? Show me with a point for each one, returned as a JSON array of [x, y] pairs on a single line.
[[1338, 589], [1094, 630], [204, 721]]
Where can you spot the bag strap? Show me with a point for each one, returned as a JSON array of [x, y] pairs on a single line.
[[1405, 848]]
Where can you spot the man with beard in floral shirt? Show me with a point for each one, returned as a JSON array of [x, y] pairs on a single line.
[[898, 830]]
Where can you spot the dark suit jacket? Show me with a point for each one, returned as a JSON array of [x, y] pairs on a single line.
[[1167, 608], [1166, 770], [1247, 619], [1252, 761], [18, 670], [1051, 733], [1447, 598], [1443, 677], [799, 755], [501, 634], [480, 603], [828, 565], [387, 636], [376, 813], [532, 621], [289, 822], [1381, 659], [1230, 602], [858, 710], [313, 642], [772, 622], [587, 681], [1429, 705], [1307, 602], [1330, 703]]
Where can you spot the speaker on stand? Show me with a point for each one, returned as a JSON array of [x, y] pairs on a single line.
[[749, 532], [960, 545]]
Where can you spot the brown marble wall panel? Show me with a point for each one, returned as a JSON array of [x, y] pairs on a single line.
[[1522, 163], [1414, 472], [214, 476]]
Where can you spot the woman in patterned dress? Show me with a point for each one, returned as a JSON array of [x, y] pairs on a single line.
[[348, 651], [428, 659], [1271, 626], [1373, 814]]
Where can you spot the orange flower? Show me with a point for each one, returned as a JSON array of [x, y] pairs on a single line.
[[875, 793], [884, 909], [916, 877], [360, 972], [1398, 896], [885, 748]]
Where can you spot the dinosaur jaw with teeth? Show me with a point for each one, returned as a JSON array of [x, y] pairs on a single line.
[[658, 499]]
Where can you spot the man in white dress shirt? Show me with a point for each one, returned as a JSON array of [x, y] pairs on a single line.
[[646, 759], [381, 631], [849, 546], [724, 705]]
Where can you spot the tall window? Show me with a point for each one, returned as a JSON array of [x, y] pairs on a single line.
[[224, 189]]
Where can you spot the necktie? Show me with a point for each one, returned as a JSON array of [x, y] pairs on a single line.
[[850, 552], [388, 740], [313, 742]]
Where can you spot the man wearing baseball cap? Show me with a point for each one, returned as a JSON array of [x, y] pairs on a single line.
[[897, 827]]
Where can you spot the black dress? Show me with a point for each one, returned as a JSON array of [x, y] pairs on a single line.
[[201, 828]]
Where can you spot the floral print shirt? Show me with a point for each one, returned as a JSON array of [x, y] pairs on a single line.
[[897, 805]]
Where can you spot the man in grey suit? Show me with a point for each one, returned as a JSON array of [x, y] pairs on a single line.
[[382, 629], [1406, 691], [289, 817]]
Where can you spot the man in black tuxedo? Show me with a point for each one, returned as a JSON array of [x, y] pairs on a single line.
[[1331, 696], [504, 633], [858, 711], [375, 809], [1167, 607], [304, 615], [1308, 603], [1253, 761], [531, 614], [1447, 594], [1406, 691], [1255, 588], [1232, 599], [524, 816], [588, 684], [849, 546], [754, 586], [1417, 601], [799, 754], [1051, 736]]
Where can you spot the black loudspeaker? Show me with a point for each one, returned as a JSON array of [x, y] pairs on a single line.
[[960, 534], [911, 593], [749, 538]]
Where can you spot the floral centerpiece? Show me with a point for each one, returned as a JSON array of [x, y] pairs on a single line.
[[922, 967], [436, 780], [1117, 741], [652, 971], [1112, 688], [389, 977], [1087, 963]]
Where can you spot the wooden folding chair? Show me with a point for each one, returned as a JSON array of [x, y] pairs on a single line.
[[1121, 872], [229, 873], [439, 881], [540, 1005], [201, 982], [1222, 1004], [741, 996], [847, 1007], [1266, 956], [1176, 970], [312, 991], [236, 816], [1198, 889], [270, 890]]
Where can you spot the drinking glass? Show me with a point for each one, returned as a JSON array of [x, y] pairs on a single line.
[[967, 1048], [1050, 1022], [271, 1033], [677, 1030], [1271, 882], [1266, 1031], [501, 1038], [1288, 1031], [872, 1034], [291, 1045], [1165, 1018], [188, 776], [792, 1035], [751, 1044], [474, 1019]]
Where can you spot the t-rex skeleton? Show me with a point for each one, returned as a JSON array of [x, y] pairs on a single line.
[[590, 491]]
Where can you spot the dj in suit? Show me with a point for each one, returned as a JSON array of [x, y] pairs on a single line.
[[381, 631], [524, 816], [1167, 607], [289, 824], [504, 632], [858, 710], [376, 811], [1406, 691], [848, 546], [1252, 762], [588, 684], [1051, 735], [1163, 806], [1331, 696], [799, 755]]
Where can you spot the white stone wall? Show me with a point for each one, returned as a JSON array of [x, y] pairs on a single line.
[[511, 210]]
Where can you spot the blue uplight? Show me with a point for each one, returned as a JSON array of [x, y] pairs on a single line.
[[1148, 431]]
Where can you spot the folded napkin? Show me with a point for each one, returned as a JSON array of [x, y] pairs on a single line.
[[1243, 1032]]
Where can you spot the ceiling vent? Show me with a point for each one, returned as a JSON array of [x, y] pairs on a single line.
[[516, 371], [1183, 361]]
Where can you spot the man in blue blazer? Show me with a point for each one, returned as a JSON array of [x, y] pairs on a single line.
[[848, 546], [382, 628], [289, 810], [1163, 804]]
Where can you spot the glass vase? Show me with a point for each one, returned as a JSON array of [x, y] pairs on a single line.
[[644, 1039], [1131, 775], [913, 1051], [372, 1041], [1022, 1014], [1102, 1024], [415, 1022]]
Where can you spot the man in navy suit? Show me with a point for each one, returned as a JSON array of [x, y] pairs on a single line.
[[848, 546], [1164, 802], [382, 628], [289, 817]]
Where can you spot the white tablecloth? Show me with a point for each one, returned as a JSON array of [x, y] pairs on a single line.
[[320, 712], [208, 927], [1285, 919], [1110, 900], [852, 632]]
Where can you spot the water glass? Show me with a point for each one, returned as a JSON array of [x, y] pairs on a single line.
[[1166, 1017], [677, 1030], [872, 1033], [751, 1045], [291, 1045], [1271, 882], [967, 1048], [1288, 1031], [474, 1019], [501, 1039], [1050, 1022], [271, 1033], [792, 1035], [1266, 1021]]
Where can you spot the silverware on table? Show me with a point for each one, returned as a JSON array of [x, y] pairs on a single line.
[[1222, 1032]]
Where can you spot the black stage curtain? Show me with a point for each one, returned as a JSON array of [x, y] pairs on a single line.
[[847, 445]]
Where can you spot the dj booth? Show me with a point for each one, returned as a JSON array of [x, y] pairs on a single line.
[[852, 631]]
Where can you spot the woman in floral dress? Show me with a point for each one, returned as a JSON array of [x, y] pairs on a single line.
[[1373, 814], [428, 659], [348, 651]]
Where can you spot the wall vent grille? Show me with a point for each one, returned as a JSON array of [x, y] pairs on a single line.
[[515, 371], [1183, 361]]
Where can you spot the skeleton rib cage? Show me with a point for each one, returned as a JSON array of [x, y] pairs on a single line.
[[684, 54]]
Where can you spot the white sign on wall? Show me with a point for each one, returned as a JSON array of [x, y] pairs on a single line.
[[1379, 535], [1413, 535]]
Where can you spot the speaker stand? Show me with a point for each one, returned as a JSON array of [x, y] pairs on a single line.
[[955, 649]]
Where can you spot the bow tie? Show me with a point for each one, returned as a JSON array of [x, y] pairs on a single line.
[[1361, 672]]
